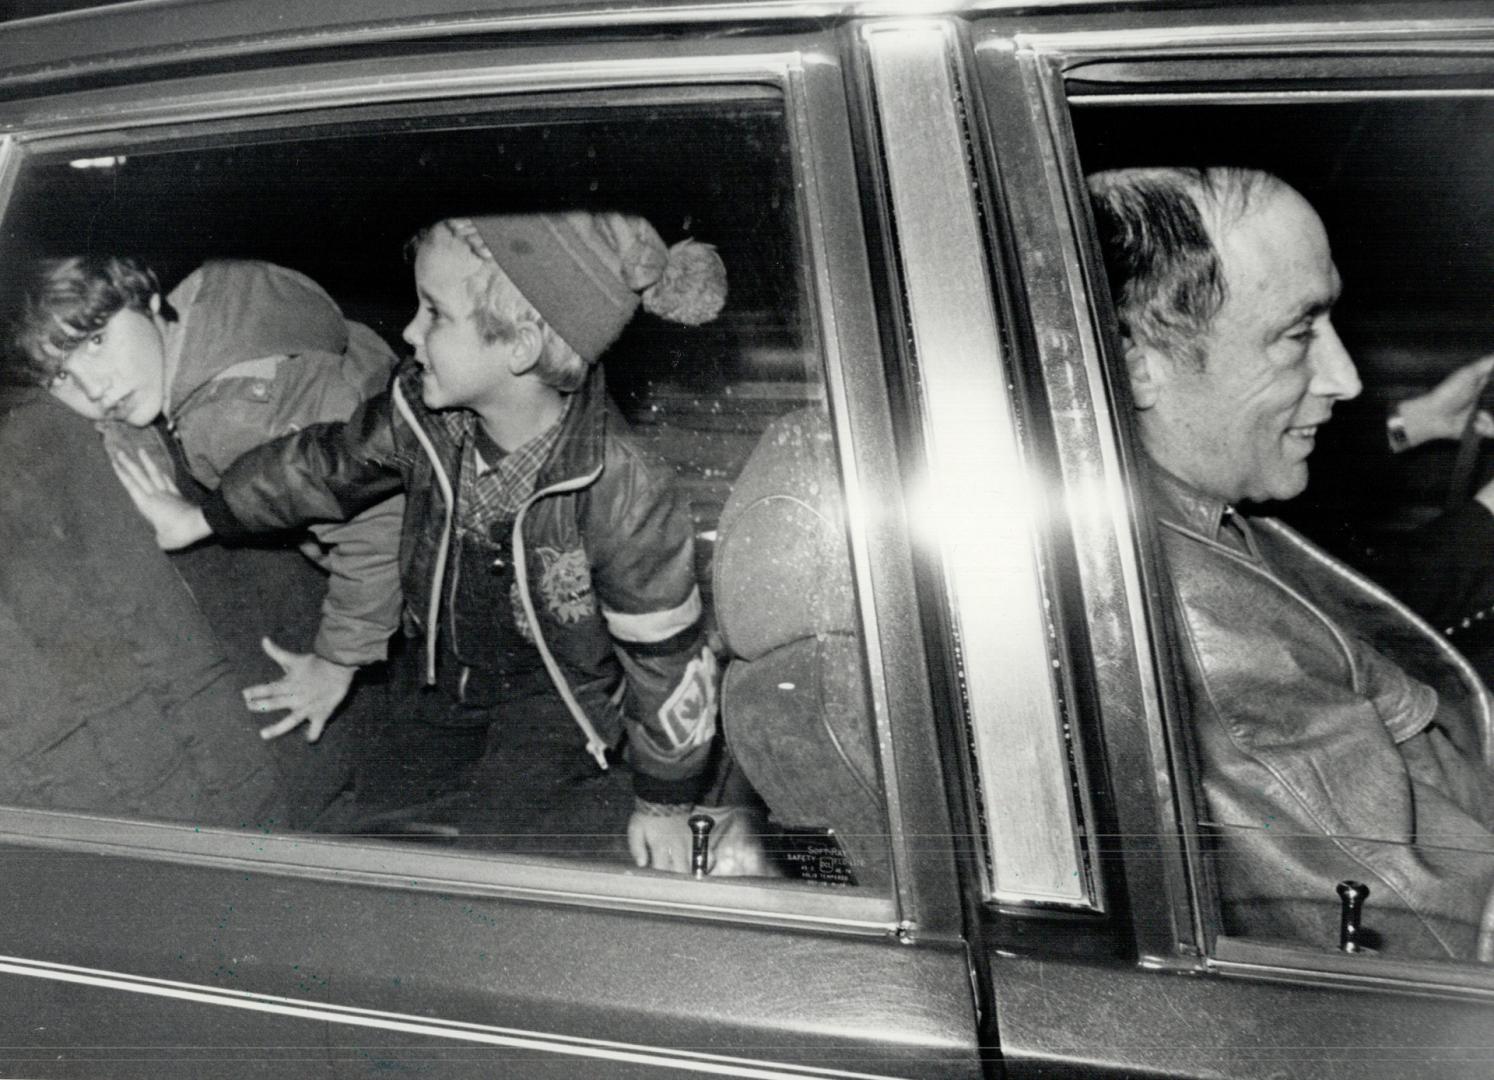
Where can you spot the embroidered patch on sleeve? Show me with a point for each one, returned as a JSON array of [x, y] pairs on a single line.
[[689, 716]]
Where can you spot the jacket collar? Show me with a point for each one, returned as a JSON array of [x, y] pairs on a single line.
[[1181, 504], [578, 452], [580, 448]]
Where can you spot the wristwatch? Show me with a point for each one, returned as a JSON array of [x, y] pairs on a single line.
[[1395, 431]]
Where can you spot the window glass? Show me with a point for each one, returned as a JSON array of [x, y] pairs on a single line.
[[1337, 718], [699, 583]]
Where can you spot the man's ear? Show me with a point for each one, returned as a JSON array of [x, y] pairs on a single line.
[[155, 303], [1147, 369], [525, 349]]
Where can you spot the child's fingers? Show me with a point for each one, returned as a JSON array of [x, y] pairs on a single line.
[[284, 657], [128, 472], [275, 730], [161, 481], [272, 696]]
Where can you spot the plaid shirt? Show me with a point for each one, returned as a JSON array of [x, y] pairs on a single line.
[[496, 492]]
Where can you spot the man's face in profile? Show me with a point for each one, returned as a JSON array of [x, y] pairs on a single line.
[[1241, 427]]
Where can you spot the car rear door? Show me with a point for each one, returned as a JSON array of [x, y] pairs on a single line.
[[150, 948]]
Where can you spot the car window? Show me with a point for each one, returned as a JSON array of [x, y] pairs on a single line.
[[734, 409], [1328, 766]]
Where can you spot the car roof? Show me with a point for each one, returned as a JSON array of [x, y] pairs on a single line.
[[54, 41]]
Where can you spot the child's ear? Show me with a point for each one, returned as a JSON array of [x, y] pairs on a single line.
[[525, 349]]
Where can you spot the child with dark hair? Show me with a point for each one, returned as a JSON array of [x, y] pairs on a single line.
[[238, 354]]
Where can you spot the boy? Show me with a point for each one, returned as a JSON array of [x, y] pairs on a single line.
[[547, 557], [240, 353]]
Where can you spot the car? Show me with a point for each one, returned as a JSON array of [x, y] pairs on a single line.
[[948, 671]]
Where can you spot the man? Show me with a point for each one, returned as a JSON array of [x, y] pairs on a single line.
[[1339, 736]]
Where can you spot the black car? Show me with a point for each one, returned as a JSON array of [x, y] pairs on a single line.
[[989, 853]]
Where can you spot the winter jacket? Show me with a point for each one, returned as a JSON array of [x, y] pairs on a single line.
[[116, 696], [1339, 736], [601, 559], [258, 351]]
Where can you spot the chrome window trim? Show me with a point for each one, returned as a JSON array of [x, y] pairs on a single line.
[[87, 120], [1203, 40], [402, 865], [1027, 145], [1033, 827], [475, 73], [1272, 97], [11, 157]]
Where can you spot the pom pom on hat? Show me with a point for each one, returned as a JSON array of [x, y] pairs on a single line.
[[692, 289]]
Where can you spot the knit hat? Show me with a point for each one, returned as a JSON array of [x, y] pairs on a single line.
[[584, 272]]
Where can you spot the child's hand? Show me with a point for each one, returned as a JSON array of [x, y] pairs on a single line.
[[311, 689], [659, 837], [178, 523], [736, 846]]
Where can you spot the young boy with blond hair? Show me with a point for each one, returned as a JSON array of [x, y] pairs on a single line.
[[547, 556]]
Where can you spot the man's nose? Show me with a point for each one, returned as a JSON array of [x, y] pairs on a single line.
[[1334, 375]]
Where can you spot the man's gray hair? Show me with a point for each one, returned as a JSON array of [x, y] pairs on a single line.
[[1156, 227]]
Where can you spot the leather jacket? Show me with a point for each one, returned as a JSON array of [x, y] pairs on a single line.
[[602, 556], [1339, 738]]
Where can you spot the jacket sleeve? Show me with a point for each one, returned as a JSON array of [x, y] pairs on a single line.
[[361, 608], [1320, 768], [323, 473], [644, 573]]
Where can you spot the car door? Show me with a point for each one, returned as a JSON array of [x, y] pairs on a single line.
[[1138, 974], [134, 945]]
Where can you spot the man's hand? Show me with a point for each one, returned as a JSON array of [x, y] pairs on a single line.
[[659, 838], [178, 523], [311, 689], [1442, 412]]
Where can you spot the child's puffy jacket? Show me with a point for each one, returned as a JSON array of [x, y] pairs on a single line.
[[622, 634]]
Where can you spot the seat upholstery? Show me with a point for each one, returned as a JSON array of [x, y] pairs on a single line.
[[795, 705]]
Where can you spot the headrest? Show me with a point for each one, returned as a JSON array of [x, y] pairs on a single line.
[[782, 569]]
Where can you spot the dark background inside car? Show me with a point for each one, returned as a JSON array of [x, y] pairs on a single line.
[[1403, 188], [339, 198]]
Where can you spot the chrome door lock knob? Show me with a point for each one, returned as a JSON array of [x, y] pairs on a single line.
[[1351, 895], [700, 843]]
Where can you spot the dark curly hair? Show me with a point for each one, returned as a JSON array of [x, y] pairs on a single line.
[[63, 301]]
